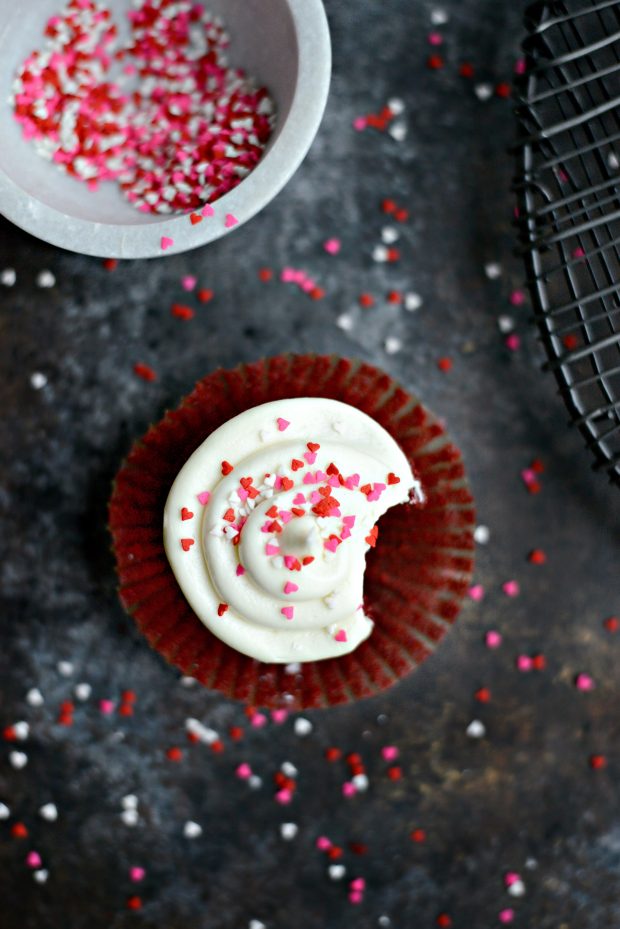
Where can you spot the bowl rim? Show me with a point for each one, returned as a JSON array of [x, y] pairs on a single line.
[[281, 161]]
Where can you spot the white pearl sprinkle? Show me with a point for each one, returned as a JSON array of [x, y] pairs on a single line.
[[65, 668], [396, 106], [389, 235], [345, 322], [41, 875], [192, 830], [45, 279], [129, 802], [187, 681], [255, 782], [505, 323], [129, 817], [398, 131], [380, 253], [293, 668], [439, 17], [21, 730], [49, 812], [493, 270], [303, 726], [203, 733], [288, 831], [613, 161], [336, 872], [482, 534], [361, 782], [4, 811], [476, 729], [18, 760], [8, 277], [256, 924], [34, 697], [289, 769]]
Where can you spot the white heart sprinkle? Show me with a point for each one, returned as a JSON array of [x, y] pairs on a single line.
[[288, 831], [203, 733], [45, 279], [289, 769], [398, 131], [129, 817], [293, 668], [303, 726], [18, 759], [336, 871], [187, 681], [396, 106], [255, 782], [41, 875], [34, 697], [476, 729], [4, 811], [516, 889], [38, 380], [256, 924], [130, 802], [8, 277], [192, 830], [439, 17], [613, 161], [380, 253], [345, 322], [505, 323], [389, 235], [49, 812], [65, 668], [413, 302], [21, 730], [82, 691], [492, 270], [483, 91], [393, 345], [361, 782], [482, 534]]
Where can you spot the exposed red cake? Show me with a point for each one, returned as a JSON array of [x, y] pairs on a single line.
[[416, 577]]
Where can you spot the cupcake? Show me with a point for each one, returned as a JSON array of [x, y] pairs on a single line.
[[250, 537]]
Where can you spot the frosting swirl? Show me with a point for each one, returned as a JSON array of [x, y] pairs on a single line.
[[267, 532]]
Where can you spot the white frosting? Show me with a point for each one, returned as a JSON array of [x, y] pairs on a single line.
[[239, 553]]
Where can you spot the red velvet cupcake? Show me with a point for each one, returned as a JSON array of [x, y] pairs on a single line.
[[416, 576]]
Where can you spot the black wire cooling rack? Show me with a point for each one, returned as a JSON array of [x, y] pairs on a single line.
[[568, 186]]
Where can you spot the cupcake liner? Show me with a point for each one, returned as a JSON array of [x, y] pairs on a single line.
[[416, 577]]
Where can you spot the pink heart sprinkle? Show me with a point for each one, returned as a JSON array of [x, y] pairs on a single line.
[[258, 720], [315, 497], [513, 342], [288, 611], [584, 682], [476, 592], [285, 515], [279, 716], [207, 210], [511, 877], [493, 639], [271, 549], [309, 478], [524, 663], [355, 897], [299, 500], [310, 457], [389, 752], [284, 796], [287, 275], [341, 636], [244, 771], [511, 588], [344, 533], [517, 297], [359, 123], [204, 497], [506, 916], [188, 282], [290, 588], [136, 874], [240, 570], [332, 246], [358, 883], [106, 707], [348, 520], [333, 481], [230, 221], [166, 242], [282, 424], [349, 789], [435, 38], [289, 561], [352, 481], [528, 475], [320, 476], [323, 843], [331, 545], [33, 860], [242, 494]]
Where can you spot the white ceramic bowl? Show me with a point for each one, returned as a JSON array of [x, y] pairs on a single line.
[[284, 44]]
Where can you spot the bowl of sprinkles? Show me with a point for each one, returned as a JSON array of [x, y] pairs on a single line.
[[137, 129]]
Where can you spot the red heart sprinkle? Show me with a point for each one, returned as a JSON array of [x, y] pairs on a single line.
[[297, 511], [229, 515], [19, 831], [287, 483], [222, 609], [186, 514], [392, 479], [296, 464], [204, 295], [313, 446], [226, 468], [272, 512], [186, 544], [195, 218], [307, 560]]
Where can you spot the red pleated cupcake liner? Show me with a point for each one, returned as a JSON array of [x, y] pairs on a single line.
[[415, 580]]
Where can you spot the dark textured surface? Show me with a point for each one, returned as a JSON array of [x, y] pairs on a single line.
[[525, 790]]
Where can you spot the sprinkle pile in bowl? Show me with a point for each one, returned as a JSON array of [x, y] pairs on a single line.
[[162, 114]]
